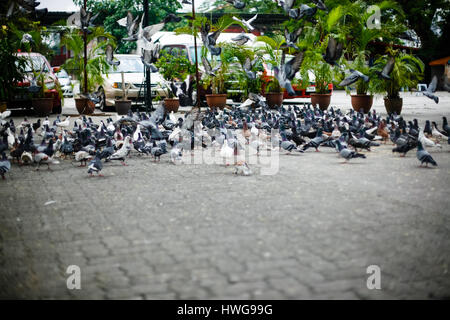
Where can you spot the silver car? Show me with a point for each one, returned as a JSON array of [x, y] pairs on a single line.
[[66, 83]]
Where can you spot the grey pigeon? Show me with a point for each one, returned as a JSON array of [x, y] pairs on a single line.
[[208, 69], [424, 156], [248, 66], [5, 165], [347, 154], [132, 26], [432, 89], [238, 4], [109, 56], [387, 69], [241, 39], [292, 37], [333, 52], [354, 76], [95, 165]]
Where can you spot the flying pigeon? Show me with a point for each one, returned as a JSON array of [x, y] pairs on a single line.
[[432, 89], [387, 69], [109, 56], [302, 12], [210, 39], [291, 37], [333, 52], [247, 23], [353, 77], [286, 72], [320, 5], [241, 39], [238, 4], [248, 66], [208, 69], [132, 26]]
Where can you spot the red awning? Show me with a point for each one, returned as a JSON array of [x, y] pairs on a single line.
[[440, 62]]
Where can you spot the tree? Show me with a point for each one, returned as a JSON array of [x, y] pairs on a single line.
[[113, 10]]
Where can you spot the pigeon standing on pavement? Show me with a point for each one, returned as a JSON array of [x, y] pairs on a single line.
[[424, 156]]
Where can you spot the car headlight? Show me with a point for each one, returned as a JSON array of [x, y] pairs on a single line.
[[118, 85]]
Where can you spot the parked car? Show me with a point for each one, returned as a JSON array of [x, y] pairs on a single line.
[[133, 69], [35, 63], [65, 81]]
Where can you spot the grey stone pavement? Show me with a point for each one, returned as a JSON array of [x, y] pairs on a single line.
[[159, 231]]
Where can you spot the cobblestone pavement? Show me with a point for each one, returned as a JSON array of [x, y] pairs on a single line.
[[159, 231]]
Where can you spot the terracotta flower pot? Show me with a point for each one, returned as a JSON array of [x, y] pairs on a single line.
[[171, 104], [122, 106], [393, 105], [42, 106], [84, 106], [321, 99], [216, 100], [362, 101], [274, 99]]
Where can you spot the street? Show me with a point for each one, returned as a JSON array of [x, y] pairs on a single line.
[[154, 230]]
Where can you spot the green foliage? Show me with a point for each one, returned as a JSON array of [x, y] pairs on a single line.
[[407, 72], [12, 66], [111, 11], [263, 6], [271, 54], [96, 60]]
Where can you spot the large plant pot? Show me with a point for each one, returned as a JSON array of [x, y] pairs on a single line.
[[171, 104], [122, 106], [362, 101], [42, 106], [274, 99], [321, 99], [393, 105], [3, 106], [216, 100], [84, 106]]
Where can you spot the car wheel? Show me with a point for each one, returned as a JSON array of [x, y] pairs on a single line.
[[102, 103]]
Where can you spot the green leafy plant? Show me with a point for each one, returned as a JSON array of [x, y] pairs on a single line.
[[407, 72], [173, 66], [96, 60], [271, 55], [13, 66]]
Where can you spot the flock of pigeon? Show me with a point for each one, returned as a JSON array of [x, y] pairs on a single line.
[[286, 129]]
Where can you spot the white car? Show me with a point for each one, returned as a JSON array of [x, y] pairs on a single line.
[[134, 77], [66, 83]]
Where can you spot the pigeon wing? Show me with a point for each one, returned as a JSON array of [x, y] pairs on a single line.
[[433, 85]]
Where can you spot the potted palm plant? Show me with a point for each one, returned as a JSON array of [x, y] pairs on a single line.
[[406, 72], [174, 67], [272, 57], [96, 62], [215, 78], [42, 104], [359, 34]]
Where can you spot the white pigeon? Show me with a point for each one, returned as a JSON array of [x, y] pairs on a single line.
[[4, 115], [175, 134], [242, 169], [26, 157], [247, 23], [436, 134], [42, 158], [428, 143], [226, 151], [64, 124], [83, 156], [176, 154], [137, 132], [123, 152]]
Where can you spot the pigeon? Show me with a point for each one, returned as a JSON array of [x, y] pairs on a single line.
[[333, 51], [123, 152], [353, 77], [387, 69], [248, 66], [286, 72], [292, 37], [64, 124], [437, 133], [238, 4], [210, 39], [156, 151], [423, 156], [176, 154], [86, 19], [95, 165], [432, 89], [151, 56], [242, 169], [109, 56], [208, 69], [43, 158], [241, 39], [5, 165], [287, 145], [320, 5], [314, 143], [82, 157], [347, 154], [302, 12], [247, 23], [132, 26], [27, 38]]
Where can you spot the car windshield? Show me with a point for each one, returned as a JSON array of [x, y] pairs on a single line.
[[129, 65], [199, 53], [62, 74], [36, 64]]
